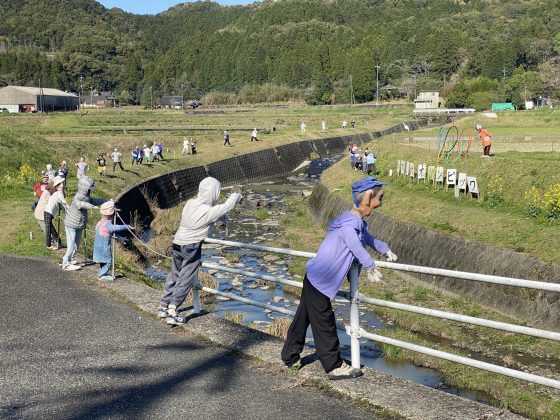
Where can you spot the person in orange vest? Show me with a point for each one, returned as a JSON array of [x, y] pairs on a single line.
[[485, 139]]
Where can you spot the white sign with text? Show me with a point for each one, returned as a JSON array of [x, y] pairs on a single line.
[[472, 184], [439, 174], [451, 176], [462, 181], [421, 171]]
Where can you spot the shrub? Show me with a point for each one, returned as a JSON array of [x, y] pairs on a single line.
[[495, 191], [551, 203], [533, 202], [25, 175]]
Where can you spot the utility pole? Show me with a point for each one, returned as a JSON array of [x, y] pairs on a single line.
[[40, 105], [351, 90], [377, 67], [182, 96], [81, 91], [414, 85], [151, 98]]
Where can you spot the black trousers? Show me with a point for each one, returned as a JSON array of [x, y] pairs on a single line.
[[314, 309], [115, 166]]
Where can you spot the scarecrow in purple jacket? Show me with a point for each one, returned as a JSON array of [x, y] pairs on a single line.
[[342, 253]]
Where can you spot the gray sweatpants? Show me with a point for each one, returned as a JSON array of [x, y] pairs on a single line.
[[184, 272]]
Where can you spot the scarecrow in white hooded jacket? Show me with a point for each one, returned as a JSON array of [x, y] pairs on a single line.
[[197, 220]]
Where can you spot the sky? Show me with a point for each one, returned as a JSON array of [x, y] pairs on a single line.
[[152, 7]]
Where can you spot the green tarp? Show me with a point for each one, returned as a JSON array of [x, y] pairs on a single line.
[[503, 106]]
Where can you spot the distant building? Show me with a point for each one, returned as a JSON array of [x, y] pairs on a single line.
[[427, 100], [33, 99], [99, 99], [171, 102]]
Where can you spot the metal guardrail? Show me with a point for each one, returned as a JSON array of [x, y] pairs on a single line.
[[356, 332]]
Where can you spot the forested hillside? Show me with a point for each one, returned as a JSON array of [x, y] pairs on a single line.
[[473, 51]]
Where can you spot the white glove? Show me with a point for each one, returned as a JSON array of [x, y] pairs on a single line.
[[390, 256], [239, 198], [374, 275]]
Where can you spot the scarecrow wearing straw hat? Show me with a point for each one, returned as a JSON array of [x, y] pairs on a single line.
[[102, 247]]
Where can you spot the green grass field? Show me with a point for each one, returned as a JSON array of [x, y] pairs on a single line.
[[527, 158], [519, 204], [35, 140]]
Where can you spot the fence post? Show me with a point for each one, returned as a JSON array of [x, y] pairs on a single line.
[[196, 296], [113, 236], [85, 246], [353, 276]]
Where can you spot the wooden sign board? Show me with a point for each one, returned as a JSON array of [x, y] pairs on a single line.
[[411, 173], [403, 163], [472, 185], [398, 167], [462, 181], [431, 173], [439, 174], [421, 171], [407, 168], [451, 176]]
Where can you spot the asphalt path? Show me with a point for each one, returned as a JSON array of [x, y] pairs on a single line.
[[68, 351]]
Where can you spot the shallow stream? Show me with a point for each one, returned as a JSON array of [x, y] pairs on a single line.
[[243, 226]]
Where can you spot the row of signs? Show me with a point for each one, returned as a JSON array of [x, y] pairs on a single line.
[[438, 175]]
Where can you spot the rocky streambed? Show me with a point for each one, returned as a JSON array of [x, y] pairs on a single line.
[[257, 220]]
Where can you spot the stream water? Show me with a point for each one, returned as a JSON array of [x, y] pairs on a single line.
[[243, 226]]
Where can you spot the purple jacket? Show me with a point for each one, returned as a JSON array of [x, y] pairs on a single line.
[[346, 239]]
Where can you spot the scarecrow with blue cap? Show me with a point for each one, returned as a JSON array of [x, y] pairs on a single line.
[[341, 254]]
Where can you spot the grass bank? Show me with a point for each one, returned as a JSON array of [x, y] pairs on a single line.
[[519, 205], [529, 354], [29, 141]]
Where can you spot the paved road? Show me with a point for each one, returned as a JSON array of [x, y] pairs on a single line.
[[68, 351]]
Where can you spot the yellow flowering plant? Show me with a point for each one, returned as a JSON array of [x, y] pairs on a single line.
[[551, 202]]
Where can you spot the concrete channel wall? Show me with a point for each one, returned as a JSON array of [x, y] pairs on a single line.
[[168, 190], [419, 246], [413, 244]]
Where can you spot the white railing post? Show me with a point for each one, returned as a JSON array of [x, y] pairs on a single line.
[[196, 296], [353, 277]]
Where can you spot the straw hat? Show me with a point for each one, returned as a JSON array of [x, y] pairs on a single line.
[[107, 208], [58, 180]]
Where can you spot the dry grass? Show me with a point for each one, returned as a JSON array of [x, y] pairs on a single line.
[[279, 327], [235, 317]]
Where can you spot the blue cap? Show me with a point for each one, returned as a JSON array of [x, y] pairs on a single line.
[[365, 184]]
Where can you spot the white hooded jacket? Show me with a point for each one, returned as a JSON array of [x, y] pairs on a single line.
[[200, 213]]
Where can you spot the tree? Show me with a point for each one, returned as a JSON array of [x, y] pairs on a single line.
[[522, 87], [549, 72]]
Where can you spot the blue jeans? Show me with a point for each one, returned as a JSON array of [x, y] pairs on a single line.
[[103, 269], [73, 238]]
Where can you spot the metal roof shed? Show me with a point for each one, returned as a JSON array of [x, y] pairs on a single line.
[[29, 99]]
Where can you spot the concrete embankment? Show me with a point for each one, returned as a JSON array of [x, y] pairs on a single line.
[[395, 396], [420, 246], [168, 190], [414, 244]]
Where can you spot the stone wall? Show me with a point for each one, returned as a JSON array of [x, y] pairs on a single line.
[[168, 190], [419, 246]]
